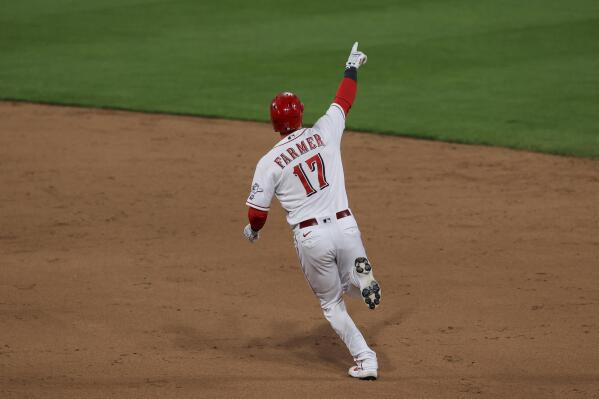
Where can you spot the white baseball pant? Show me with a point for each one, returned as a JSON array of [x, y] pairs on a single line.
[[327, 253]]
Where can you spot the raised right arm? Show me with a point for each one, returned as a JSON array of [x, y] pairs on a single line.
[[346, 93]]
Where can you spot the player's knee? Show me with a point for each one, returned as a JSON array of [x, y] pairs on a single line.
[[331, 308]]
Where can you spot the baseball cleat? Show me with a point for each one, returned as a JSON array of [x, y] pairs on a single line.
[[371, 291], [359, 372]]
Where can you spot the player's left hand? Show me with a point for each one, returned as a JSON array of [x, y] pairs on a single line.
[[356, 58], [250, 234]]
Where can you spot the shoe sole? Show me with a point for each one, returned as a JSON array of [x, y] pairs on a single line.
[[370, 378], [365, 378], [372, 290]]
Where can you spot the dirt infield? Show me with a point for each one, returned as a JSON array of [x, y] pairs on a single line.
[[124, 272]]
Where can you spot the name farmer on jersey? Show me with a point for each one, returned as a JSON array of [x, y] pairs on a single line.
[[310, 143]]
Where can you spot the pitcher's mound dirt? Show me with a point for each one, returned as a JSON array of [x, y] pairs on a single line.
[[124, 272]]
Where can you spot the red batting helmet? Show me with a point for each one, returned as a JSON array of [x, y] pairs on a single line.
[[286, 111]]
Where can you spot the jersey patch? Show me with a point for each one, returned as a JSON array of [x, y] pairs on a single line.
[[255, 190]]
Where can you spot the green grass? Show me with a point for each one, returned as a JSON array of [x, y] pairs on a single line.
[[521, 74]]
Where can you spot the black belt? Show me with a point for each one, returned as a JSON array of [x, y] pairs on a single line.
[[314, 222]]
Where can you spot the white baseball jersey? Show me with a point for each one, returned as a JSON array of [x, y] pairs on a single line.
[[305, 172]]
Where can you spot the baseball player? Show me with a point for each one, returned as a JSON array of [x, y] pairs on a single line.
[[305, 172]]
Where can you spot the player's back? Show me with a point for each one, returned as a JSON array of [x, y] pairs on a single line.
[[305, 172]]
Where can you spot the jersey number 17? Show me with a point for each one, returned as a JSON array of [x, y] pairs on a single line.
[[314, 163]]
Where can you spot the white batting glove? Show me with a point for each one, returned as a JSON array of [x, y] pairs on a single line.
[[250, 234], [356, 58]]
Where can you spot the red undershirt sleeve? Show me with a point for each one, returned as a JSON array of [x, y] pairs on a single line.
[[346, 93], [257, 218]]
